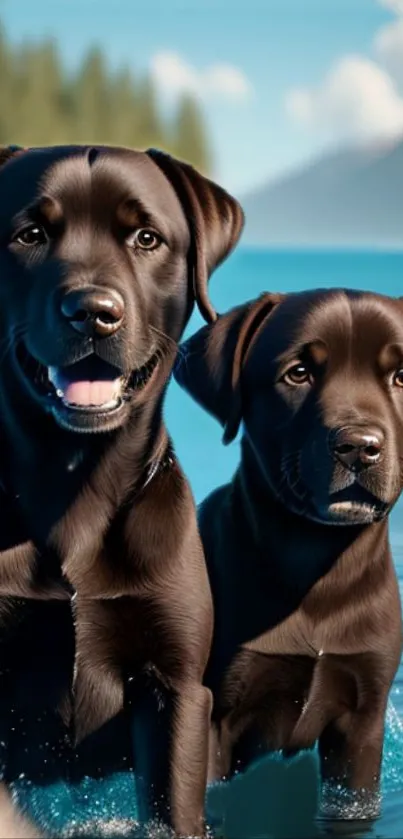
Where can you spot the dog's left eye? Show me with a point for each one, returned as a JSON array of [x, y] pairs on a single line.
[[398, 378], [147, 240], [297, 375], [31, 236]]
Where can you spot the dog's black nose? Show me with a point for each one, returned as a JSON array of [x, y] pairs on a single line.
[[96, 312], [357, 447]]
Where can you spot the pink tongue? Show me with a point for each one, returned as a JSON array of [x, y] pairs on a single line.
[[90, 393], [88, 382]]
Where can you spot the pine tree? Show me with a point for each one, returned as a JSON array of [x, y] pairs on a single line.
[[91, 98], [40, 104], [191, 142], [150, 128], [37, 96], [123, 113], [6, 71]]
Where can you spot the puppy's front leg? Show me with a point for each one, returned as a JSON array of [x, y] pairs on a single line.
[[350, 757], [170, 740]]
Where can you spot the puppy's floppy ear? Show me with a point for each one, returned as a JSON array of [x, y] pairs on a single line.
[[210, 363], [215, 218], [7, 152]]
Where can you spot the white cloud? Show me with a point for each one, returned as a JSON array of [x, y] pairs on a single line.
[[394, 5], [357, 100], [388, 45], [174, 76], [172, 73], [228, 81]]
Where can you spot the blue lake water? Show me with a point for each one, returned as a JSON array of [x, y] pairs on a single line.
[[208, 463]]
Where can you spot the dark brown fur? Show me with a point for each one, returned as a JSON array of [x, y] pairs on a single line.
[[307, 613], [94, 506]]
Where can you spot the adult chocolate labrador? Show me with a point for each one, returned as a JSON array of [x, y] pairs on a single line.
[[102, 255], [308, 629]]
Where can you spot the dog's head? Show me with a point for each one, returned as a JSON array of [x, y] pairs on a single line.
[[317, 379], [102, 254]]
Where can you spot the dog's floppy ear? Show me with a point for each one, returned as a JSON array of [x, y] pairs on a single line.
[[210, 363], [215, 219], [8, 152]]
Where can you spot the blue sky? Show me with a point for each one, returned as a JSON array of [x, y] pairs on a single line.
[[279, 80]]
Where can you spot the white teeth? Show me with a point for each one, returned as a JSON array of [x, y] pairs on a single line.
[[104, 406], [107, 406], [52, 375], [120, 384]]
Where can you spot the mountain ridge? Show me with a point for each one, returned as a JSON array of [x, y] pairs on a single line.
[[352, 196]]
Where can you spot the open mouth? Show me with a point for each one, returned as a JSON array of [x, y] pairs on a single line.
[[90, 386]]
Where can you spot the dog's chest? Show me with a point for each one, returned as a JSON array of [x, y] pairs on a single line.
[[77, 554], [285, 697]]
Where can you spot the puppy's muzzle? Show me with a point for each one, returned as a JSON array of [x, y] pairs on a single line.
[[94, 312], [357, 447]]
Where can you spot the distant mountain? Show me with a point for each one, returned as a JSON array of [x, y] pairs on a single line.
[[352, 197]]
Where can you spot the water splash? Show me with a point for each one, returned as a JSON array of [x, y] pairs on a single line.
[[108, 807], [392, 769], [93, 805], [341, 804]]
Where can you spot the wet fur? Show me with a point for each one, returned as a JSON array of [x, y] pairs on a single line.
[[308, 632], [105, 613]]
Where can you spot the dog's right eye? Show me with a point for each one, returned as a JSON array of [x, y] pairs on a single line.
[[297, 375], [398, 378], [31, 236], [145, 239]]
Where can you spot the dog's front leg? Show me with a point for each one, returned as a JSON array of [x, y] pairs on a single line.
[[170, 739], [350, 757]]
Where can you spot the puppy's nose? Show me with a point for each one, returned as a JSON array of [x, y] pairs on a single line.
[[357, 447], [96, 312]]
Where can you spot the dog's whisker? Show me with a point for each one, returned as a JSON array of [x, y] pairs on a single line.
[[291, 478], [182, 354], [16, 333], [166, 339]]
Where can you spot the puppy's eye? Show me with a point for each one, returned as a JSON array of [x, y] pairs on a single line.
[[31, 236], [147, 240], [398, 378], [297, 375]]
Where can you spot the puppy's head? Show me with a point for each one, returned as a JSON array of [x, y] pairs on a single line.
[[317, 379], [102, 255]]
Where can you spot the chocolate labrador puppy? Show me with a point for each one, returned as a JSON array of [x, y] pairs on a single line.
[[102, 255], [308, 631]]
